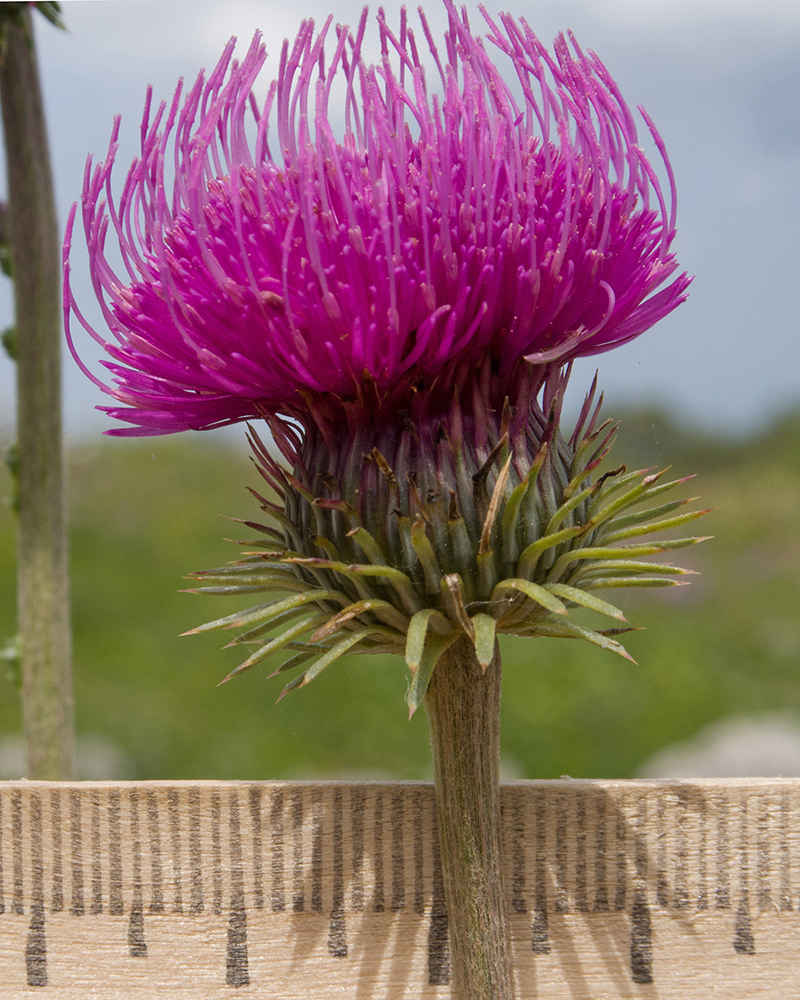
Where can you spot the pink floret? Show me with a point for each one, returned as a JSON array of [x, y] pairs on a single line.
[[479, 217]]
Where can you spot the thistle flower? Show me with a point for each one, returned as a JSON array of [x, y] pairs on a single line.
[[443, 229], [401, 305], [401, 299]]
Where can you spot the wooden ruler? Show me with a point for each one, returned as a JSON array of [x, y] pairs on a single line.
[[287, 890]]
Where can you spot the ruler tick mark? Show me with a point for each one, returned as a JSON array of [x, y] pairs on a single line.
[[57, 892], [518, 903], [237, 970], [540, 943], [196, 904], [216, 852], [316, 850], [16, 847], [156, 868], [115, 854], [77, 906], [337, 934], [398, 852], [378, 901], [36, 945], [439, 930], [137, 947], [97, 869], [600, 872], [174, 815], [298, 898], [277, 899], [258, 863], [357, 805], [419, 853]]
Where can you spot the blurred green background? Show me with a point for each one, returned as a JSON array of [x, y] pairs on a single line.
[[144, 513]]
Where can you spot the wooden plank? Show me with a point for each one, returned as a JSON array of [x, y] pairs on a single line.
[[325, 889]]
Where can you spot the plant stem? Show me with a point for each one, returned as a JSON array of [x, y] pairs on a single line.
[[42, 581], [463, 709]]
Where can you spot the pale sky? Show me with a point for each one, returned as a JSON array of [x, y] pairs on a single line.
[[721, 79]]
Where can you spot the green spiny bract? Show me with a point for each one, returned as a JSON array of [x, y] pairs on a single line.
[[431, 527]]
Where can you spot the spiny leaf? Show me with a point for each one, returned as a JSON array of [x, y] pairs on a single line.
[[351, 611], [263, 612], [274, 645], [623, 552], [568, 630], [453, 597], [531, 590], [578, 596], [434, 648], [415, 636], [325, 661], [485, 627], [604, 583], [530, 556], [651, 528]]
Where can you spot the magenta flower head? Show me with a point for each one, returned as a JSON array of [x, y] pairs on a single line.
[[397, 285]]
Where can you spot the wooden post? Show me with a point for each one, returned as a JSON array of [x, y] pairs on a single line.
[[43, 589]]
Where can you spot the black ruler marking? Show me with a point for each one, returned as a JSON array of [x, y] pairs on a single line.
[[398, 851], [722, 896], [298, 897], [763, 866], [438, 930], [77, 906], [581, 897], [785, 860], [337, 933], [156, 865], [36, 944], [662, 887], [115, 853], [237, 965], [743, 940], [419, 852], [357, 806], [97, 856], [277, 894], [621, 857], [746, 864], [316, 850], [137, 946], [540, 942], [378, 897], [196, 901], [216, 852], [16, 847], [680, 895], [258, 859], [518, 904], [641, 926], [702, 851], [561, 900], [174, 817], [600, 848], [57, 885]]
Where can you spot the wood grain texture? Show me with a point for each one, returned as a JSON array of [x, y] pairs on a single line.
[[293, 889]]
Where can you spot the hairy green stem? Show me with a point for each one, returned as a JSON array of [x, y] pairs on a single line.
[[463, 709], [43, 588]]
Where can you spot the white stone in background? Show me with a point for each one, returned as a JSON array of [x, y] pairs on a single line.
[[97, 759], [759, 746]]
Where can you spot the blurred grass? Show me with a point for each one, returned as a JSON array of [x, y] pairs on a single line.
[[145, 513]]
